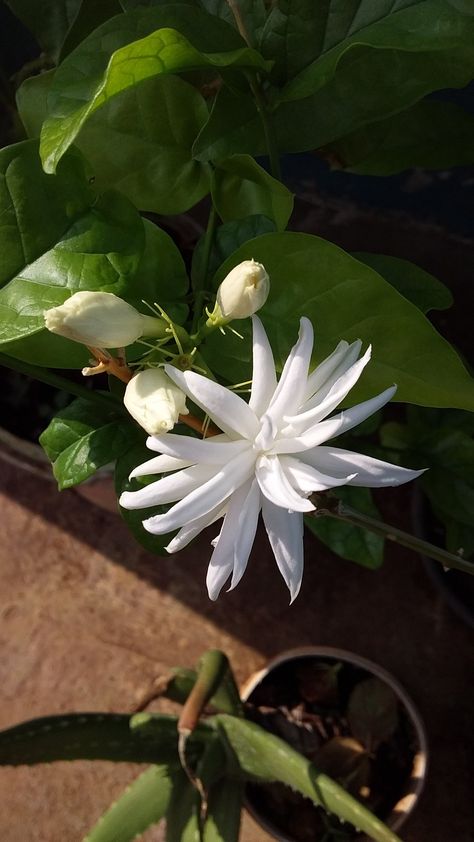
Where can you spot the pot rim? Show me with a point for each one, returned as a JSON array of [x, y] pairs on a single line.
[[406, 804]]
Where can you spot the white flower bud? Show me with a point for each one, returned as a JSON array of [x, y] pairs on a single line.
[[100, 319], [154, 401], [244, 290]]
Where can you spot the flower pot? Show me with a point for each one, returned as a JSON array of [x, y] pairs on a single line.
[[279, 685], [455, 587]]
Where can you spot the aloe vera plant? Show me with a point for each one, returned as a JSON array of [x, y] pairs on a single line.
[[198, 763]]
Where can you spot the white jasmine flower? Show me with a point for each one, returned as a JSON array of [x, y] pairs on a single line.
[[101, 320], [244, 290], [270, 457], [154, 401]]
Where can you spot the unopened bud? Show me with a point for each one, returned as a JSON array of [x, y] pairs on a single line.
[[154, 401], [101, 320], [244, 290]]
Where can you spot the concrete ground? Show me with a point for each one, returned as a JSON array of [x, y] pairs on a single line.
[[88, 619]]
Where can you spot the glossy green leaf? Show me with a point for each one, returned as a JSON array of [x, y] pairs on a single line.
[[262, 756], [295, 32], [58, 238], [345, 300], [372, 712], [91, 15], [433, 135], [142, 804], [413, 282], [241, 187], [227, 239], [420, 26], [84, 437], [48, 20], [136, 455], [348, 101], [139, 142], [111, 60], [89, 736], [346, 540]]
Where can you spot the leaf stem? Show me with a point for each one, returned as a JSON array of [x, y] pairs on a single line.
[[199, 287], [44, 375], [340, 511], [268, 127]]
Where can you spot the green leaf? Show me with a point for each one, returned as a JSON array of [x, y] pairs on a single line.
[[345, 300], [90, 736], [262, 756], [241, 187], [182, 822], [346, 540], [48, 20], [161, 274], [413, 282], [224, 811], [372, 712], [433, 135], [139, 142], [111, 60], [294, 34], [126, 462], [253, 13], [348, 101], [227, 239], [91, 15], [421, 26], [142, 804], [58, 238], [83, 437]]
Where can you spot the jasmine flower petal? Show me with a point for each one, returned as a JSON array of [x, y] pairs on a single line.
[[168, 489], [285, 533], [370, 472], [226, 409], [276, 487], [264, 378]]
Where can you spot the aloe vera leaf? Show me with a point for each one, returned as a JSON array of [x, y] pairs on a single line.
[[259, 755], [142, 804]]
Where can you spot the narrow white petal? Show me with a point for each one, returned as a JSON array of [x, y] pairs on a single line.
[[369, 472], [246, 534], [234, 543], [225, 408], [153, 443], [188, 532], [195, 450], [276, 487], [291, 387], [307, 479], [201, 501], [285, 533], [338, 391], [263, 378], [345, 420], [321, 380], [159, 465], [168, 489]]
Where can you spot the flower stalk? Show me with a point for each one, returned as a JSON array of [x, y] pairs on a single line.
[[331, 507]]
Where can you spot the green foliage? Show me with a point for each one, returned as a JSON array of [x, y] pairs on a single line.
[[242, 188], [171, 39], [142, 804], [151, 128], [422, 26], [228, 238], [444, 443], [259, 755], [84, 437], [344, 539], [344, 299], [48, 20], [414, 283], [58, 238], [433, 135]]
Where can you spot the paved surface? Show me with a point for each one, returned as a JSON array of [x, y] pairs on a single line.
[[88, 619]]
